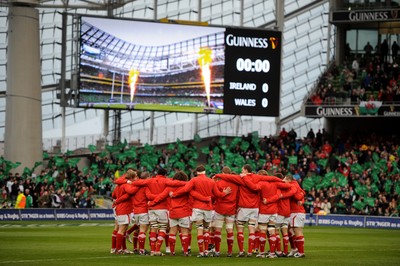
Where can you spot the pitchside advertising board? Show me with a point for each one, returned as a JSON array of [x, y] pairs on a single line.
[[147, 65], [55, 214], [107, 214]]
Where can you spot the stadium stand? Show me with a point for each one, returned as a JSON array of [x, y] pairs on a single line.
[[356, 174], [372, 80]]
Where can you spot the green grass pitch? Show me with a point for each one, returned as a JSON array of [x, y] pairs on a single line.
[[82, 243]]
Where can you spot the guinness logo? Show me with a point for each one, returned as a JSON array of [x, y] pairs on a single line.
[[391, 108], [394, 13]]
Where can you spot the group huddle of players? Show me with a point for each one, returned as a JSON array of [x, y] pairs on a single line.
[[270, 207]]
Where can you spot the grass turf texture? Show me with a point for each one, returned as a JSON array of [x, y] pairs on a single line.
[[76, 243]]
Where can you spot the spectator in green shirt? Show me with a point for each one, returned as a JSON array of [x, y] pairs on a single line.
[[29, 199]]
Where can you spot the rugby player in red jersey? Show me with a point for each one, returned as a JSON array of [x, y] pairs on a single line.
[[224, 212], [179, 212], [130, 191], [123, 210], [202, 211], [140, 209], [158, 214], [297, 218], [282, 222], [270, 193], [248, 204], [115, 230]]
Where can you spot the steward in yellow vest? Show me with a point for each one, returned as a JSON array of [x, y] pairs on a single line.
[[21, 200]]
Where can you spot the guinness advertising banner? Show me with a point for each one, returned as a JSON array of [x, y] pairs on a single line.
[[364, 109], [383, 15]]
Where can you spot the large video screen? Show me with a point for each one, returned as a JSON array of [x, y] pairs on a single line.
[[153, 66]]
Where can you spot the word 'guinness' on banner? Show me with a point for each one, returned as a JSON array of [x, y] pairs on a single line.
[[382, 15], [363, 109]]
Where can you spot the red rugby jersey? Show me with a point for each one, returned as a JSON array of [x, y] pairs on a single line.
[[203, 185]]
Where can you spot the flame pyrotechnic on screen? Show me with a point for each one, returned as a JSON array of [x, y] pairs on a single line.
[[205, 60], [133, 77]]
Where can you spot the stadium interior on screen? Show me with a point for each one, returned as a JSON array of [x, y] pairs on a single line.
[[144, 65]]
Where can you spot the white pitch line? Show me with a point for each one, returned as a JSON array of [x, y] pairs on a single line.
[[113, 257], [55, 259], [89, 224], [32, 225]]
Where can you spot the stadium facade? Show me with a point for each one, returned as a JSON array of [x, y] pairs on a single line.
[[308, 46]]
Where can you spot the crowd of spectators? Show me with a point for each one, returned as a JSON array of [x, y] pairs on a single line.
[[355, 174], [366, 77], [52, 188]]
